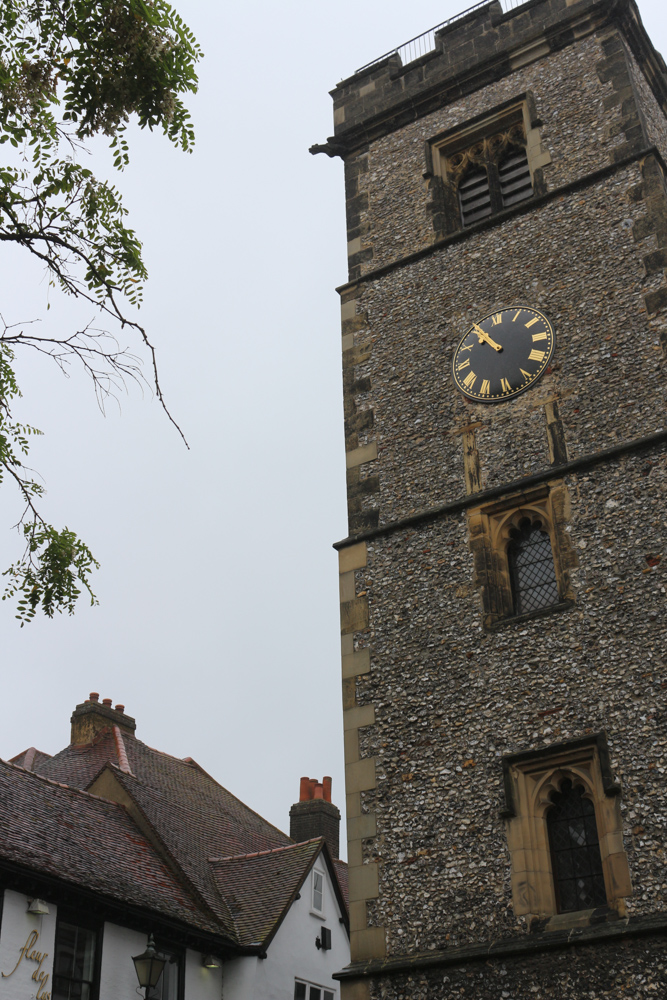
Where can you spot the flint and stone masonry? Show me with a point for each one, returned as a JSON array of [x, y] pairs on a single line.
[[460, 716]]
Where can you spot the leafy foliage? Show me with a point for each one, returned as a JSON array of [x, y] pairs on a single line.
[[70, 70]]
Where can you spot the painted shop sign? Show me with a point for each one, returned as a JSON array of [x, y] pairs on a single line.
[[30, 953]]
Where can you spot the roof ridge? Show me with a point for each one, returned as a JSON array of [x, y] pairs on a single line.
[[60, 784], [174, 863], [120, 751], [271, 850], [184, 762]]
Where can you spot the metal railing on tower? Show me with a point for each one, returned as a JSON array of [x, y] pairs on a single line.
[[422, 44]]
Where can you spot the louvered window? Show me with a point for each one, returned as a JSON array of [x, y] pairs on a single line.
[[575, 850], [515, 181], [531, 565], [475, 197]]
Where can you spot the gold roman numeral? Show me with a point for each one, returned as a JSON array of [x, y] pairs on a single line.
[[497, 319], [464, 364], [468, 348], [536, 355], [540, 336], [517, 315], [533, 322], [506, 387], [470, 380], [486, 388], [525, 374]]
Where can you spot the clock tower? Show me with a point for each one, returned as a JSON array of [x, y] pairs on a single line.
[[503, 619]]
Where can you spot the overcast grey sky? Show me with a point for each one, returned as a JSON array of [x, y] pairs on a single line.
[[218, 618]]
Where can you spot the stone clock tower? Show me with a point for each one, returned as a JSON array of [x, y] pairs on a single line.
[[504, 628]]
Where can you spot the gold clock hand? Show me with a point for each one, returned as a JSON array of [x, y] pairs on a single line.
[[485, 337]]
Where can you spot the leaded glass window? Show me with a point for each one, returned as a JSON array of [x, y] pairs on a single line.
[[575, 850], [531, 566]]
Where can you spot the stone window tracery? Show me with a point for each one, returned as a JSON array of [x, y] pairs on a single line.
[[491, 174], [522, 554], [565, 832], [486, 166]]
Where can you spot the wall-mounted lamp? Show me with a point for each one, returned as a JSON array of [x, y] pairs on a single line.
[[38, 907], [149, 966], [210, 962]]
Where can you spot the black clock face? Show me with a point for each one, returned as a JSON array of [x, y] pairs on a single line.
[[503, 354]]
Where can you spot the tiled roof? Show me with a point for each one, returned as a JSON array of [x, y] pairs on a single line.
[[343, 880], [88, 842], [30, 759], [196, 819], [193, 816], [259, 887]]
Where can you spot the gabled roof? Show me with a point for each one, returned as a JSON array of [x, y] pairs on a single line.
[[179, 788], [259, 888], [90, 843], [189, 819]]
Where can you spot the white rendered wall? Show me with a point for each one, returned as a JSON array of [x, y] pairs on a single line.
[[20, 929], [118, 978], [292, 953], [201, 983]]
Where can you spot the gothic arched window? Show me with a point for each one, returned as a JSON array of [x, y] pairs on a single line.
[[575, 850], [531, 565]]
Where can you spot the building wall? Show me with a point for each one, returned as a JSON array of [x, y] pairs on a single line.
[[578, 131], [450, 699], [26, 950], [293, 953], [117, 977], [592, 287], [435, 694]]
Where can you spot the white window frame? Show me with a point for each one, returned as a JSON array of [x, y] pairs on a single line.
[[313, 908], [315, 986]]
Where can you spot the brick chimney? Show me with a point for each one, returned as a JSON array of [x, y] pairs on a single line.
[[91, 717], [314, 815]]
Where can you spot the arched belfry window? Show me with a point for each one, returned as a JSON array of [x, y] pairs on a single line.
[[575, 850], [531, 565]]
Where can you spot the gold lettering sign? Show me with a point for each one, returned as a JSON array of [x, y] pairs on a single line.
[[29, 952]]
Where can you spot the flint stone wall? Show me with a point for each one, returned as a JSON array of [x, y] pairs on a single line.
[[632, 969], [450, 700], [577, 258], [581, 129]]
